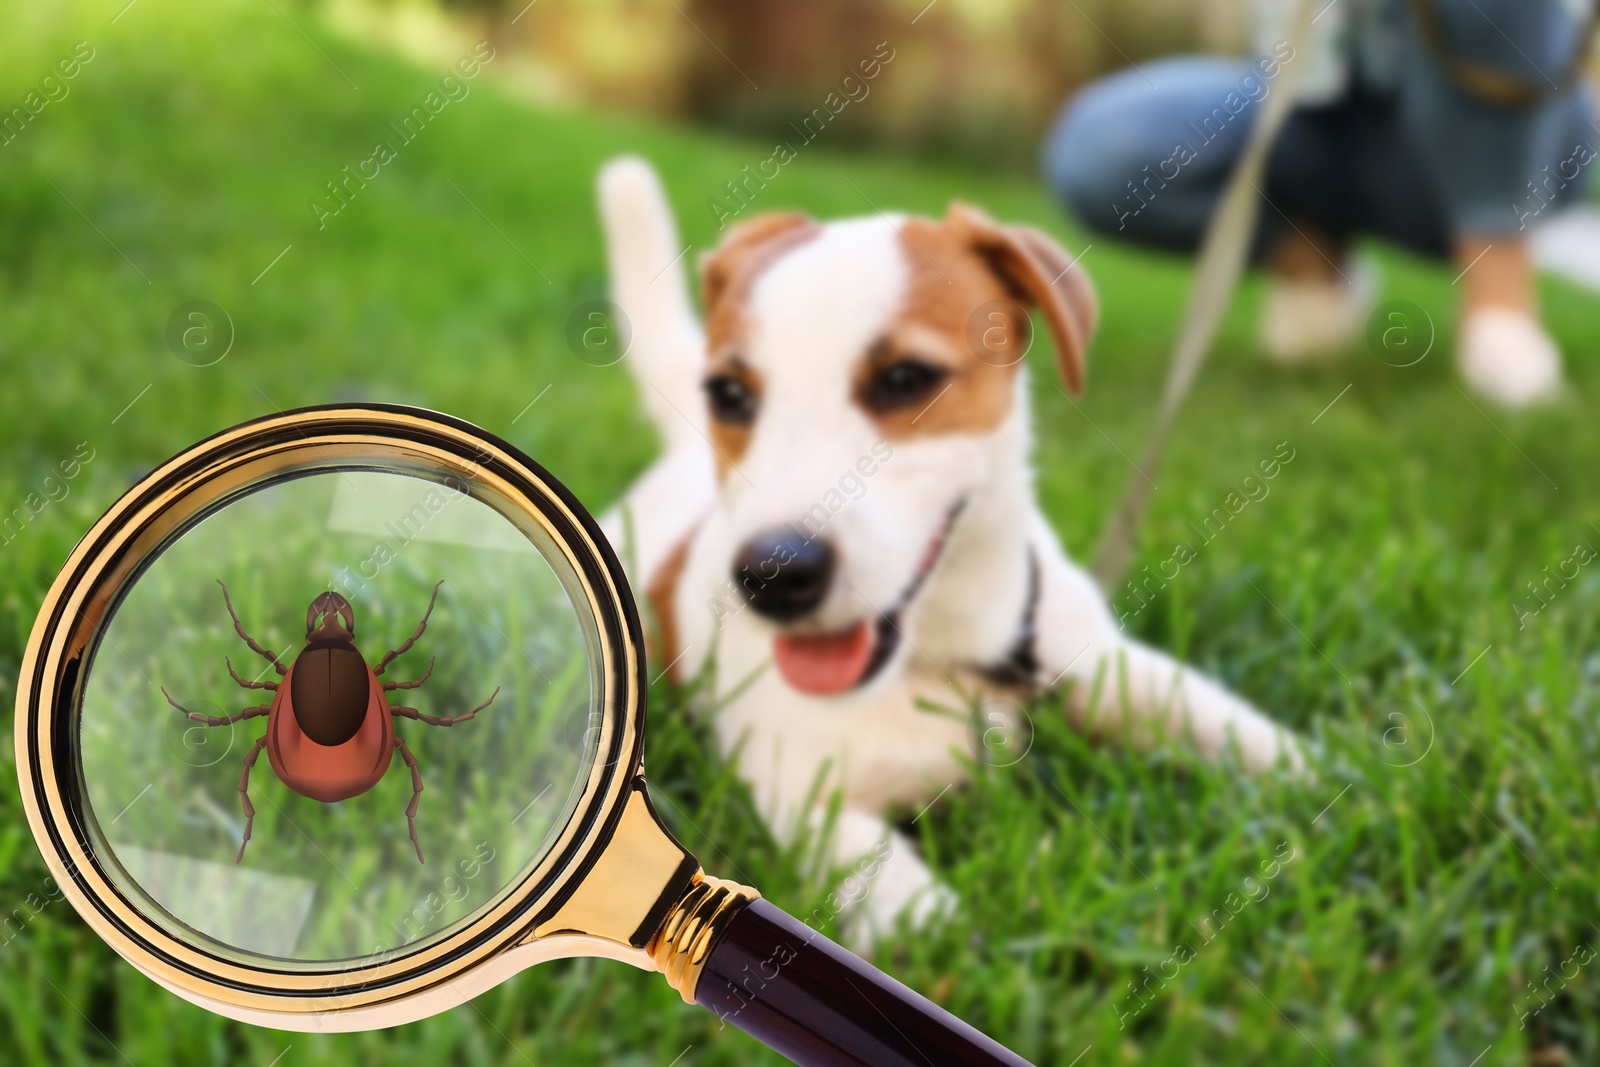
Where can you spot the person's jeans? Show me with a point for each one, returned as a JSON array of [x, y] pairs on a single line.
[[1144, 154]]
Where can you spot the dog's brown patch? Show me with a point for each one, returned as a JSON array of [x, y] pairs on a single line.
[[949, 284], [726, 275], [1037, 270], [966, 313], [662, 593]]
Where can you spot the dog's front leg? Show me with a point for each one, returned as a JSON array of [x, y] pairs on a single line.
[[885, 879], [1149, 695], [1125, 688]]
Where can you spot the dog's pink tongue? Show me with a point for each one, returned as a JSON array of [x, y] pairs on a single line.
[[825, 664]]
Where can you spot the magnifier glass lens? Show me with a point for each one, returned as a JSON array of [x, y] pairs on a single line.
[[185, 729]]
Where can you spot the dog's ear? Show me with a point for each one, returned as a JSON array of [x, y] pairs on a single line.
[[747, 245], [1037, 269]]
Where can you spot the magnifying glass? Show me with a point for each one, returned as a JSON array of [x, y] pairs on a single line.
[[336, 719]]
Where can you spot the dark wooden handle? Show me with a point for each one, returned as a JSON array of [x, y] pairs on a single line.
[[800, 994]]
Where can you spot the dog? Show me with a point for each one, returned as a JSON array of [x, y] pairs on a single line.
[[842, 526]]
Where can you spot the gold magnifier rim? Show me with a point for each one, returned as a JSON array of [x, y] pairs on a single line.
[[199, 481]]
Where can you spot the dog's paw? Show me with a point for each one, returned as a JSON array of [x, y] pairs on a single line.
[[937, 903], [880, 914]]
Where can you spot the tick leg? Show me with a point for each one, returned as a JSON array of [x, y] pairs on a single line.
[[434, 720], [248, 640], [410, 685], [243, 682], [244, 796], [421, 626], [212, 720], [416, 795]]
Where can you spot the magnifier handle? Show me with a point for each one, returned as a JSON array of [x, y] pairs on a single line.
[[801, 995]]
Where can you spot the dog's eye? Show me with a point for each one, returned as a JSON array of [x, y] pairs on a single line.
[[730, 399], [903, 382]]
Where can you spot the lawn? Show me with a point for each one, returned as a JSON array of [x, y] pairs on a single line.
[[1431, 897]]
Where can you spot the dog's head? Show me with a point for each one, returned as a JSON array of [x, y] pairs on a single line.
[[860, 378]]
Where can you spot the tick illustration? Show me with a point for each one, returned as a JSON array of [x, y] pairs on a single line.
[[330, 727]]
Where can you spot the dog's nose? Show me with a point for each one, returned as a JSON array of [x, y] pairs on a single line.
[[783, 575]]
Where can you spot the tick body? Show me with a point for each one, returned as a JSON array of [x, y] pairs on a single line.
[[330, 727]]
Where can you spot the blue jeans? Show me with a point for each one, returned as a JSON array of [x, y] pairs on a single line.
[[1144, 154]]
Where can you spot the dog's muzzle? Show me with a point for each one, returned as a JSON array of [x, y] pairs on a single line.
[[786, 576]]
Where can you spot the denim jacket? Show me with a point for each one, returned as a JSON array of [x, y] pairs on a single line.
[[1442, 58]]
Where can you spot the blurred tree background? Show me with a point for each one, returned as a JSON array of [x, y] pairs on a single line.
[[977, 80]]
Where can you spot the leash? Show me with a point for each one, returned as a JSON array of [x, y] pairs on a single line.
[[1217, 271]]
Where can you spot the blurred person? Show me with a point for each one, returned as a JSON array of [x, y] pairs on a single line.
[[1445, 126]]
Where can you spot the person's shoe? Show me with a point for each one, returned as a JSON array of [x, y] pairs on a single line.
[[1303, 322], [1506, 357]]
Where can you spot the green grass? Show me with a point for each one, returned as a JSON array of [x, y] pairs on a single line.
[[1387, 559]]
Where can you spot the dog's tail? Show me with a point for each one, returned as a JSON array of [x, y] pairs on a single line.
[[649, 284]]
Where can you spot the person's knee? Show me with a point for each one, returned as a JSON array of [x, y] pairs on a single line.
[[1103, 154], [1094, 148], [1084, 177]]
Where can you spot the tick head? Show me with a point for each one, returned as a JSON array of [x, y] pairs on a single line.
[[330, 617]]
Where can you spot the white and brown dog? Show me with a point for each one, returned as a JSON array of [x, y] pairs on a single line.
[[843, 520]]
